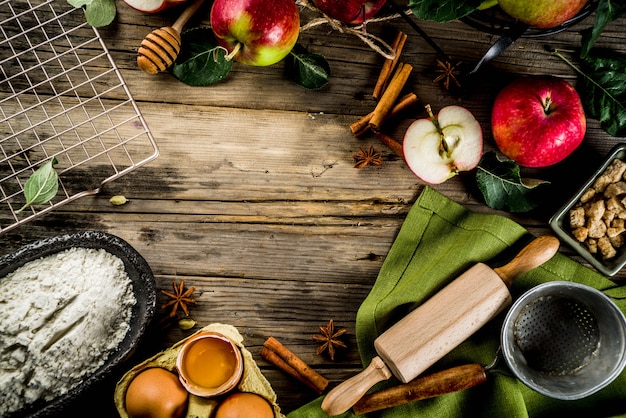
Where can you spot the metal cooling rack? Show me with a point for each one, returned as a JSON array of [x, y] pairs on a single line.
[[61, 96]]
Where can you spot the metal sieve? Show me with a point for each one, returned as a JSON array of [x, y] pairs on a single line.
[[564, 340]]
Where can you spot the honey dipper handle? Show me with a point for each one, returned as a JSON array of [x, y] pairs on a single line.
[[342, 397], [186, 15], [533, 255]]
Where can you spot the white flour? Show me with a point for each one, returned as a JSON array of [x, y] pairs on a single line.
[[60, 318]]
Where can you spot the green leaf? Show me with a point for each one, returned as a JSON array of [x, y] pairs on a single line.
[[602, 86], [201, 61], [606, 12], [98, 13], [311, 71], [503, 188], [443, 11], [79, 3], [42, 185]]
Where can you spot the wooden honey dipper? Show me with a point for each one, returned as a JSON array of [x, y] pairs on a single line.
[[160, 48]]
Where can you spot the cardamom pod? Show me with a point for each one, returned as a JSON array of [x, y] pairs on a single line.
[[118, 200], [186, 323]]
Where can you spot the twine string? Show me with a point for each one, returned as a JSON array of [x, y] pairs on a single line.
[[360, 31]]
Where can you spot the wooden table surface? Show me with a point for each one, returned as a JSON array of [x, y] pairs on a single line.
[[254, 199]]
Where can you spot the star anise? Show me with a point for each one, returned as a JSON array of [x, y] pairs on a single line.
[[180, 298], [370, 157], [329, 339], [447, 73]]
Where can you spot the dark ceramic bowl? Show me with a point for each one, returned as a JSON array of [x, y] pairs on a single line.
[[144, 289], [560, 221]]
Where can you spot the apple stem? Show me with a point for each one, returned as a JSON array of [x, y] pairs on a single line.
[[430, 112], [546, 105], [234, 52]]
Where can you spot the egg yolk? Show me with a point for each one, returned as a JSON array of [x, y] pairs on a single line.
[[210, 362]]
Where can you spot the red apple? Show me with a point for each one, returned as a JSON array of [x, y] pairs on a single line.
[[350, 11], [542, 13], [440, 147], [153, 6], [538, 121], [256, 32]]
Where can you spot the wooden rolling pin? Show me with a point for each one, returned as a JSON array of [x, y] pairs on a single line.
[[440, 324], [160, 48]]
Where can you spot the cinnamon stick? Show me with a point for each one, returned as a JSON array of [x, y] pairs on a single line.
[[389, 65], [361, 126], [294, 364], [390, 95], [394, 145], [275, 359]]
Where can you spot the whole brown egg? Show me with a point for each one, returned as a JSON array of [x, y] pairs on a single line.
[[244, 405], [156, 393]]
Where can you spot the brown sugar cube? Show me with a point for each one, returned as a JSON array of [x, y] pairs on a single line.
[[587, 195], [577, 217], [615, 189], [613, 232], [595, 210], [617, 241], [615, 204], [592, 245], [597, 228], [608, 216], [612, 174], [606, 248], [581, 233], [616, 227], [615, 170]]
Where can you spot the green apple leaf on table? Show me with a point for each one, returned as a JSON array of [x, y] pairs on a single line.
[[99, 13], [201, 61], [443, 11], [41, 186], [603, 90], [606, 12], [502, 186], [311, 71]]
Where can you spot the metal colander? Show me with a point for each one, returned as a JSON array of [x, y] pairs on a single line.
[[565, 340]]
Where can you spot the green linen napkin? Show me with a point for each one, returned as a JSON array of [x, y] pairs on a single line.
[[438, 241]]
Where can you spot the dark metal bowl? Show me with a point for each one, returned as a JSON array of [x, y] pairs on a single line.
[[144, 289], [493, 20]]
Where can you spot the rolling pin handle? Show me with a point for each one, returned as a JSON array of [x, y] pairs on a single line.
[[436, 384], [344, 396], [536, 253]]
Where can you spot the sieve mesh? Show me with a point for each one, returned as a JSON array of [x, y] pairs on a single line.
[[557, 335], [61, 96]]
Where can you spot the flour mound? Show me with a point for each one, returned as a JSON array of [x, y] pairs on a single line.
[[61, 316]]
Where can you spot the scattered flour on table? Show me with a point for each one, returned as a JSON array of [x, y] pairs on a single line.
[[60, 318]]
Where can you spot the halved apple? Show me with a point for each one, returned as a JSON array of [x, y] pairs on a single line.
[[439, 147], [153, 6]]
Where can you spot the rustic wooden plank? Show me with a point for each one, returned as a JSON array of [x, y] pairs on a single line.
[[254, 198]]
